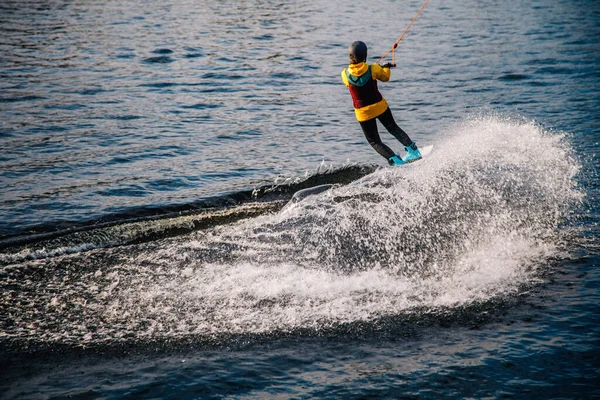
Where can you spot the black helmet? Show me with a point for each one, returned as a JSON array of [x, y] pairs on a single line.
[[357, 52]]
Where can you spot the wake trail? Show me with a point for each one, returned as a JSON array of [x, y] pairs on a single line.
[[476, 220]]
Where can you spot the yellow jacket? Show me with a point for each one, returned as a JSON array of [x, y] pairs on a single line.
[[377, 73]]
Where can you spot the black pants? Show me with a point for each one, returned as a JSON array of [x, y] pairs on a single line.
[[372, 134]]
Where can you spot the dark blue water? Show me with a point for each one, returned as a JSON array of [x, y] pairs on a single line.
[[149, 248]]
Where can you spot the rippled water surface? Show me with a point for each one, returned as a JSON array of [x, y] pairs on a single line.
[[150, 246]]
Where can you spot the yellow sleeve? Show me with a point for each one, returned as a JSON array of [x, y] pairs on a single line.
[[383, 74], [345, 78]]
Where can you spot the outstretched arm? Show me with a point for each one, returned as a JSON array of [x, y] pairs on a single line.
[[381, 73]]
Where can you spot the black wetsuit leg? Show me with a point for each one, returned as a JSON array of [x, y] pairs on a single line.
[[370, 130], [387, 119]]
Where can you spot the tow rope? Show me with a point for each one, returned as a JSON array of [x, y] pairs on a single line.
[[400, 38]]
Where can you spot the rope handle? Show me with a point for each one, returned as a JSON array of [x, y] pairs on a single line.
[[401, 36]]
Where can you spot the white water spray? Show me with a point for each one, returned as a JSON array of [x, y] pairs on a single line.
[[473, 221]]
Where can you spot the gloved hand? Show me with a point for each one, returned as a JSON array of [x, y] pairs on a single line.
[[388, 65]]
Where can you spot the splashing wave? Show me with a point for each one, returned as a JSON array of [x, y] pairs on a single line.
[[474, 221]]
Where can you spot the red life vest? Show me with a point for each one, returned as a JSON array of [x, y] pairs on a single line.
[[363, 89]]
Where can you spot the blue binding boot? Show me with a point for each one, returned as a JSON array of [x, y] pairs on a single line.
[[412, 153], [395, 160]]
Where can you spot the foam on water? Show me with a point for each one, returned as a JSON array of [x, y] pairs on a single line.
[[476, 220]]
